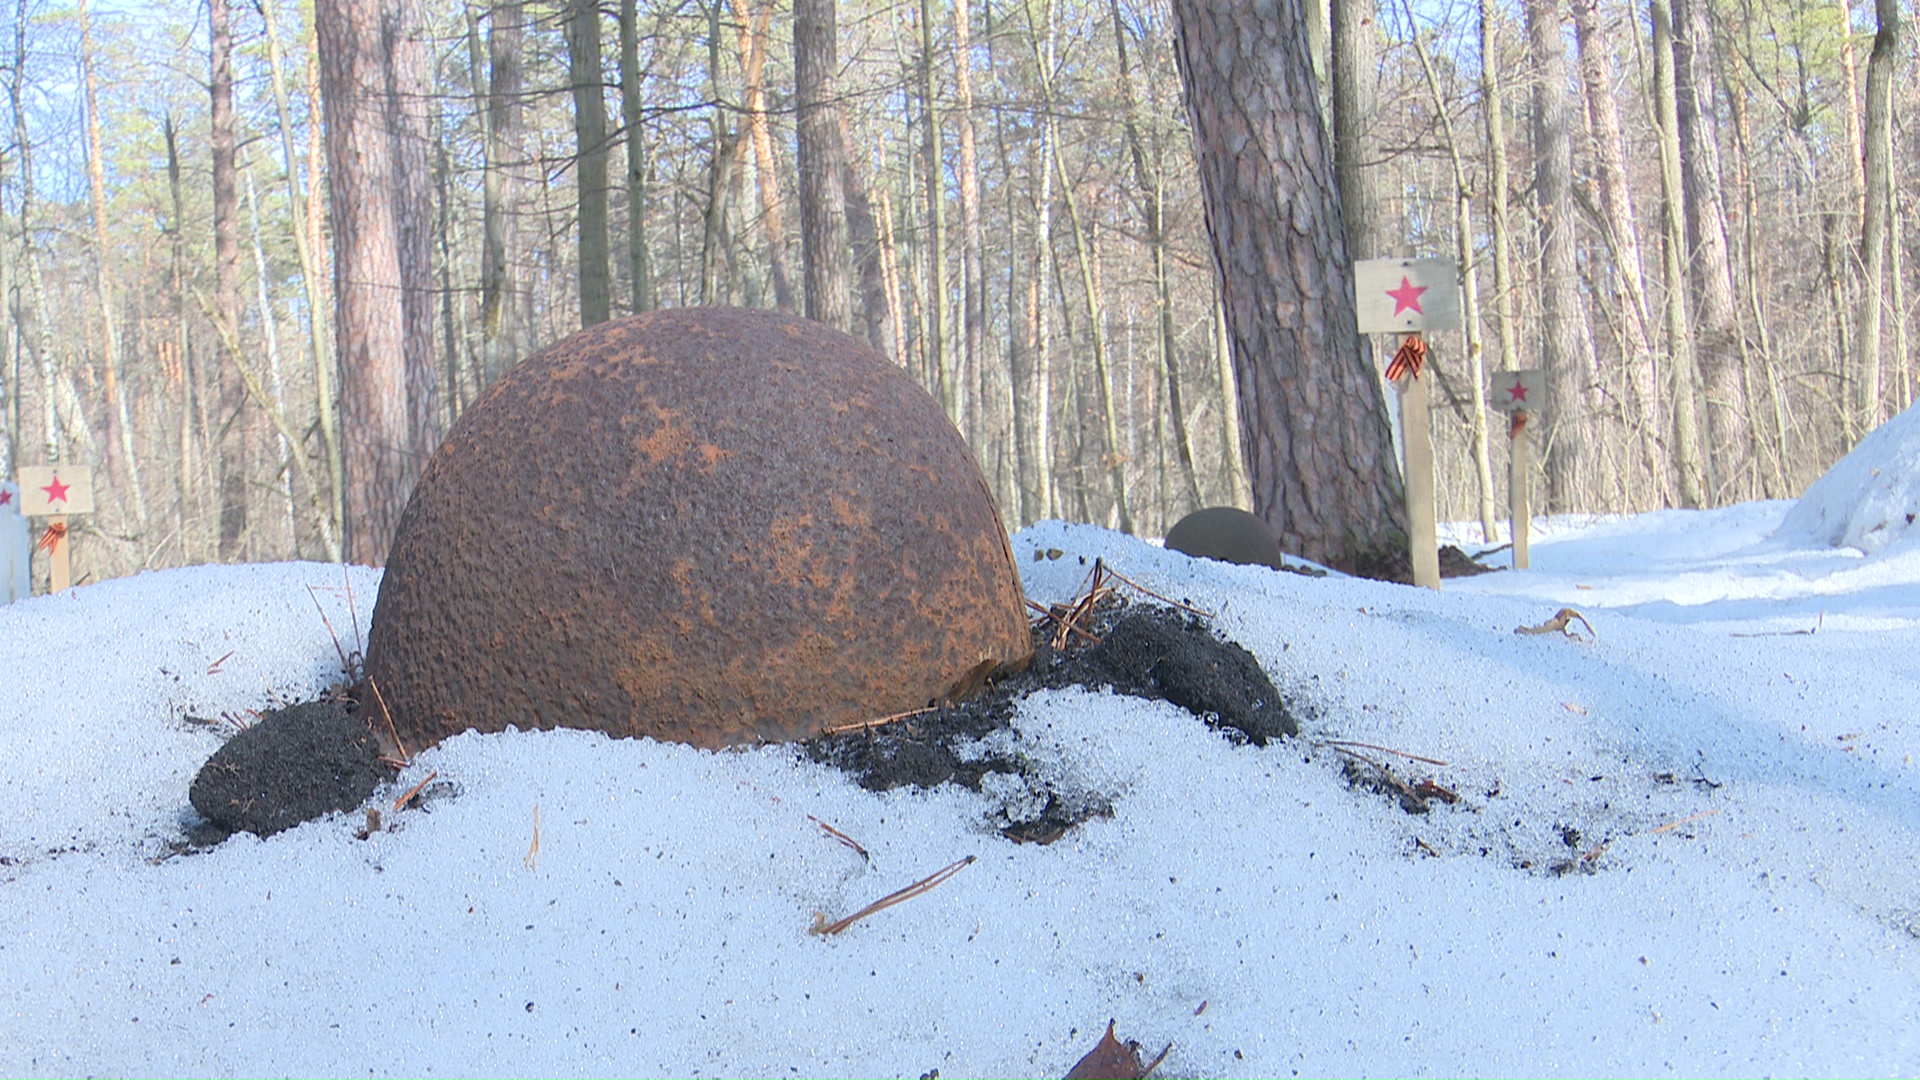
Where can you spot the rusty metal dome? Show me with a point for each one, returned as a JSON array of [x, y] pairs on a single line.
[[711, 526]]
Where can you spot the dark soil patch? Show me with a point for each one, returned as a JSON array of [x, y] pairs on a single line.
[[1396, 564], [292, 765], [301, 762], [1146, 651]]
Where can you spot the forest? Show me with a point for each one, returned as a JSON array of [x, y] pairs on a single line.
[[1690, 213]]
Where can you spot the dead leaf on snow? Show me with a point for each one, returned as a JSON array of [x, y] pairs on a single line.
[[1110, 1059], [1559, 622]]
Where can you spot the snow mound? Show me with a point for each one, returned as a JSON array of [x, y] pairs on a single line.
[[1869, 499]]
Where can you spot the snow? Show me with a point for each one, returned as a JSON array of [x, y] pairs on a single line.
[[1735, 752]]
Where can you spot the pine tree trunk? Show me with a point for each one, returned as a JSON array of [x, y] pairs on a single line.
[[231, 450], [822, 165], [1321, 459], [373, 71]]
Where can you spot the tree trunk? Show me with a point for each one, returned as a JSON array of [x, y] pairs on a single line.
[[110, 333], [973, 303], [820, 154], [231, 450], [1356, 70], [1686, 424], [1322, 465], [639, 259], [590, 138], [311, 279], [1499, 185], [1566, 345], [373, 60], [1718, 343], [1149, 183], [934, 182], [870, 233], [1641, 408], [1469, 292], [1870, 399], [753, 61], [501, 299]]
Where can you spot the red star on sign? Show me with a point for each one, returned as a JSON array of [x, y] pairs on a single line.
[[1517, 392], [1407, 296], [56, 491], [5, 496]]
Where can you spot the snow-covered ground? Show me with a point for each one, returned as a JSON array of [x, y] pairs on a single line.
[[1689, 846]]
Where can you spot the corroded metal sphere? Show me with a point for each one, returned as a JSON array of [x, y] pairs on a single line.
[[711, 526]]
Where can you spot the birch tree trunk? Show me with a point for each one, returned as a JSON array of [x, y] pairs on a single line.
[[1320, 456]]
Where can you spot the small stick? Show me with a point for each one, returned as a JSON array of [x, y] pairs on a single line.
[[865, 725], [1384, 771], [1338, 743], [842, 837], [825, 929], [388, 713], [346, 666], [1125, 580], [532, 858], [1671, 825], [414, 790], [214, 668]]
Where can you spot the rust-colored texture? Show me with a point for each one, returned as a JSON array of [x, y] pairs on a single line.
[[712, 526]]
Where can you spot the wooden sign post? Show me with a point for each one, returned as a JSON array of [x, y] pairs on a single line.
[[1410, 297], [1523, 394], [53, 492]]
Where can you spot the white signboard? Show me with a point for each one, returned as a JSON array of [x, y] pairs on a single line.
[[16, 547], [1406, 296], [55, 489]]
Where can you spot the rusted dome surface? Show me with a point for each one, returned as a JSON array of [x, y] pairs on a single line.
[[713, 526]]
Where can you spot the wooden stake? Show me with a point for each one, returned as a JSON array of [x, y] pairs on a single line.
[[1517, 483], [59, 564], [1416, 434]]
